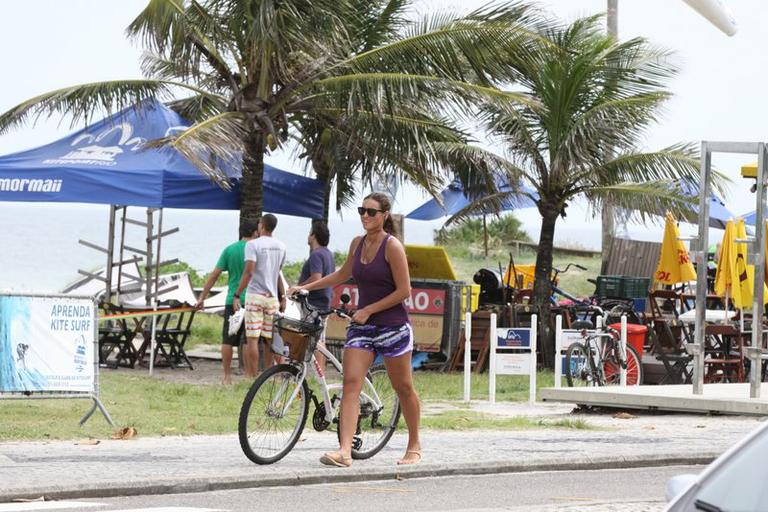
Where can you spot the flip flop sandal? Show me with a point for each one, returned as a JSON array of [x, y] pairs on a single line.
[[336, 459], [403, 462]]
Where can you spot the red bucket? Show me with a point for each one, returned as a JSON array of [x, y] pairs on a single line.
[[635, 336]]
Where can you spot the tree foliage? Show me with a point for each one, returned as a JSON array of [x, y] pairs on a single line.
[[358, 86]]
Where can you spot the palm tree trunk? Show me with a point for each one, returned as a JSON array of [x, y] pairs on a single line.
[[325, 174], [252, 182], [608, 234], [542, 287]]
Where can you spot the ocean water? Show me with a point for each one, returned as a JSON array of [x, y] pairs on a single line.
[[39, 249]]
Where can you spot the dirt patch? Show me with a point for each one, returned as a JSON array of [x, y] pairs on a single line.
[[206, 368]]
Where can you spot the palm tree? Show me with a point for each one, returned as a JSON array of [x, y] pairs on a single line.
[[359, 90], [592, 99]]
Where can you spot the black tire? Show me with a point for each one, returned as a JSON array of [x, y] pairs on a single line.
[[260, 436], [375, 426], [578, 367]]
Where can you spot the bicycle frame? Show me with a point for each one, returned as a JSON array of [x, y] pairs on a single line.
[[312, 367], [597, 353]]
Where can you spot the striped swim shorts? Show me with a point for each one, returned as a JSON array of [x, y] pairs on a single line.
[[259, 311], [389, 341]]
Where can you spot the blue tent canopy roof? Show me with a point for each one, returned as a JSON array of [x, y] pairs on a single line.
[[454, 200], [107, 163]]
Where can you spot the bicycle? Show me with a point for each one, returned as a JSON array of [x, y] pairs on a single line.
[[597, 360], [583, 311], [276, 408]]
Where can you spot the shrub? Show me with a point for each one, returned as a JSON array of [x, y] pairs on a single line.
[[502, 230]]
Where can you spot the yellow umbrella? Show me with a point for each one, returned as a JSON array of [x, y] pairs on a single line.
[[674, 265], [734, 277]]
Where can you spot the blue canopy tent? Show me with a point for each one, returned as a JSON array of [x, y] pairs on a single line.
[[107, 163], [454, 200]]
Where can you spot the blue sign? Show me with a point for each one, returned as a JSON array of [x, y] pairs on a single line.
[[514, 337]]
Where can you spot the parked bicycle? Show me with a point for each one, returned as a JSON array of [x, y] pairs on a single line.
[[276, 408], [582, 310], [597, 359]]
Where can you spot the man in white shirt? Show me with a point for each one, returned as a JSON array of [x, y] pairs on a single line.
[[264, 258]]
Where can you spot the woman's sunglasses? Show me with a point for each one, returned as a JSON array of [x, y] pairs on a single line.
[[370, 211]]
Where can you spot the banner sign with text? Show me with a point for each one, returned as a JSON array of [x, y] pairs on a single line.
[[426, 308], [47, 344]]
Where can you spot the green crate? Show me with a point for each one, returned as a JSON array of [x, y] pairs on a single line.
[[609, 286], [635, 287]]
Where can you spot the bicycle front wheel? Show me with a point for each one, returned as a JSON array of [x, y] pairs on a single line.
[[612, 369], [273, 414], [379, 414], [578, 370]]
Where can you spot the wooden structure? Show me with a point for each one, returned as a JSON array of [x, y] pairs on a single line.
[[632, 258], [479, 343]]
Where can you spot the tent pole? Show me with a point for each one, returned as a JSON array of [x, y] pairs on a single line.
[[122, 252], [110, 252], [155, 267], [148, 264]]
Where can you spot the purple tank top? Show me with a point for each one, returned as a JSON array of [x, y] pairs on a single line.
[[374, 282]]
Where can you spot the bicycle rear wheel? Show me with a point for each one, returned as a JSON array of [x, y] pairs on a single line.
[[578, 370], [612, 369], [376, 423], [268, 429]]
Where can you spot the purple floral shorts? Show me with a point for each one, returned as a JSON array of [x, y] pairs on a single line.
[[389, 341]]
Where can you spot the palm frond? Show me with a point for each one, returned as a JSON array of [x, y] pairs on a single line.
[[198, 107], [641, 200], [84, 101], [674, 163], [185, 32], [215, 145]]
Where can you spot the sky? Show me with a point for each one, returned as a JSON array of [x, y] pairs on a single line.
[[718, 94]]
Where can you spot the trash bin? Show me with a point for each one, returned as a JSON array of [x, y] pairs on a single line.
[[635, 336]]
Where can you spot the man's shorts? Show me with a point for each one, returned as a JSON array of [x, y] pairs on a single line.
[[226, 339], [259, 310], [388, 341]]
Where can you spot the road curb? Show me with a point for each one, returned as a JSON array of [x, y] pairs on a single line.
[[120, 488]]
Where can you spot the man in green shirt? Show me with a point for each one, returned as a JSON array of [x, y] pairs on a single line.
[[232, 261]]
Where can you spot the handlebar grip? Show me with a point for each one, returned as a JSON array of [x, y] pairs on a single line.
[[579, 267]]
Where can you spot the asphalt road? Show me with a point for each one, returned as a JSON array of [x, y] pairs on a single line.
[[637, 490]]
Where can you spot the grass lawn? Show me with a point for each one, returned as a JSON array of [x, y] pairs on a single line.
[[155, 407]]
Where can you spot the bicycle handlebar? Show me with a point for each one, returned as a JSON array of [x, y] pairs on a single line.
[[302, 297]]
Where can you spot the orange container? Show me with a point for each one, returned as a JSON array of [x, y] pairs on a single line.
[[635, 336]]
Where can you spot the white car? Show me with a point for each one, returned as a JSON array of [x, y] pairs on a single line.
[[737, 481]]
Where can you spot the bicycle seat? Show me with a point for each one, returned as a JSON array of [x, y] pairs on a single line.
[[582, 324]]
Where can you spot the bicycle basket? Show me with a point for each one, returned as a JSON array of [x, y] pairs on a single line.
[[296, 335]]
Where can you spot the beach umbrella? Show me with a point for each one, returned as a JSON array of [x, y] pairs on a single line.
[[718, 213], [734, 277], [454, 199], [674, 264]]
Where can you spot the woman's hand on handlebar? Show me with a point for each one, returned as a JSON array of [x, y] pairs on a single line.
[[294, 291]]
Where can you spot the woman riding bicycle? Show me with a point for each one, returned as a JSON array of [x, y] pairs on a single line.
[[381, 326]]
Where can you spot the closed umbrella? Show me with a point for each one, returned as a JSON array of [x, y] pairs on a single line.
[[674, 264], [734, 277]]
